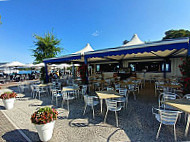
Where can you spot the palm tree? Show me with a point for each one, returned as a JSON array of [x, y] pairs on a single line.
[[47, 47]]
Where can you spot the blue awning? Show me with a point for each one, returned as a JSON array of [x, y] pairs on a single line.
[[177, 44], [63, 59]]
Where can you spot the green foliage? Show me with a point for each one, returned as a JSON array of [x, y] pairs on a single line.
[[47, 47], [171, 34], [125, 42], [43, 75]]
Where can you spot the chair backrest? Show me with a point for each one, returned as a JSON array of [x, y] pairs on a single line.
[[117, 86], [123, 91], [54, 92], [37, 88], [84, 89], [110, 89], [167, 96], [111, 104], [187, 96], [108, 81], [131, 87], [89, 100], [168, 117]]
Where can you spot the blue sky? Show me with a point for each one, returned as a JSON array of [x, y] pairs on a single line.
[[102, 23]]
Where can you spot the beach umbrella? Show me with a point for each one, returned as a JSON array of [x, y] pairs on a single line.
[[13, 64], [30, 65], [39, 65]]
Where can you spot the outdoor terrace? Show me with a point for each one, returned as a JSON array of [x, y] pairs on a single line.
[[136, 123]]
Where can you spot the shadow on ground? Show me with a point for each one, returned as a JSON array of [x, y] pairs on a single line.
[[15, 136], [2, 107]]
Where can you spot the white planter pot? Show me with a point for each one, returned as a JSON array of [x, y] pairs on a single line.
[[9, 103], [45, 131]]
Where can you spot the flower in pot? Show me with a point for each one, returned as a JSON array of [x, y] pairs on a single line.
[[8, 99], [44, 120]]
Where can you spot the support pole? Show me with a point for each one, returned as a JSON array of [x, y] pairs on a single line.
[[188, 53], [86, 63], [46, 71], [164, 68], [73, 70]]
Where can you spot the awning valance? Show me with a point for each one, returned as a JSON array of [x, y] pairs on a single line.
[[153, 47], [63, 59]]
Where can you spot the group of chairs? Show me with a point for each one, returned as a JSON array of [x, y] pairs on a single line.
[[69, 95], [112, 104], [166, 114]]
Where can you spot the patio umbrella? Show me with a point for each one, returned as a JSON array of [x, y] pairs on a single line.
[[13, 64], [39, 65], [30, 65]]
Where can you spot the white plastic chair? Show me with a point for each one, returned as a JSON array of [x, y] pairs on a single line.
[[84, 90], [187, 96], [67, 96], [166, 117], [110, 89], [56, 94], [132, 88], [123, 92], [39, 91], [117, 86], [112, 105], [167, 96], [158, 86], [97, 86], [90, 101], [33, 90]]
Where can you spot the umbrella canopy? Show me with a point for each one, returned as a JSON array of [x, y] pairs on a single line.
[[13, 64], [60, 65], [134, 41], [30, 65], [87, 48], [39, 65]]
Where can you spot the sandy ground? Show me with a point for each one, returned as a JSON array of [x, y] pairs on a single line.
[[136, 123]]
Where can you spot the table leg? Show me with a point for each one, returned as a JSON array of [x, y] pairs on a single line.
[[101, 102], [187, 125]]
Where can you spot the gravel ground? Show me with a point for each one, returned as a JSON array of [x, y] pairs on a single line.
[[136, 123]]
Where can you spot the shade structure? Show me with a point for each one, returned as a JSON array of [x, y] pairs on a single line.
[[30, 65], [134, 41], [135, 49], [76, 57], [61, 66], [87, 48], [161, 49], [13, 64], [39, 65]]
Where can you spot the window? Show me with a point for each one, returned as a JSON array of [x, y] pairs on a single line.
[[112, 67], [157, 66], [97, 68]]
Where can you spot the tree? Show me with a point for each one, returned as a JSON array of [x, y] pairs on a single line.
[[176, 34], [47, 47], [125, 42]]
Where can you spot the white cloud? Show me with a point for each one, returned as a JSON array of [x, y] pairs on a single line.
[[96, 33]]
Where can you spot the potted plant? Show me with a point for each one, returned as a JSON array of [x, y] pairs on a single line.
[[8, 99], [44, 120]]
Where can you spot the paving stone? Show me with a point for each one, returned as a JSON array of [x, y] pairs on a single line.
[[8, 132]]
